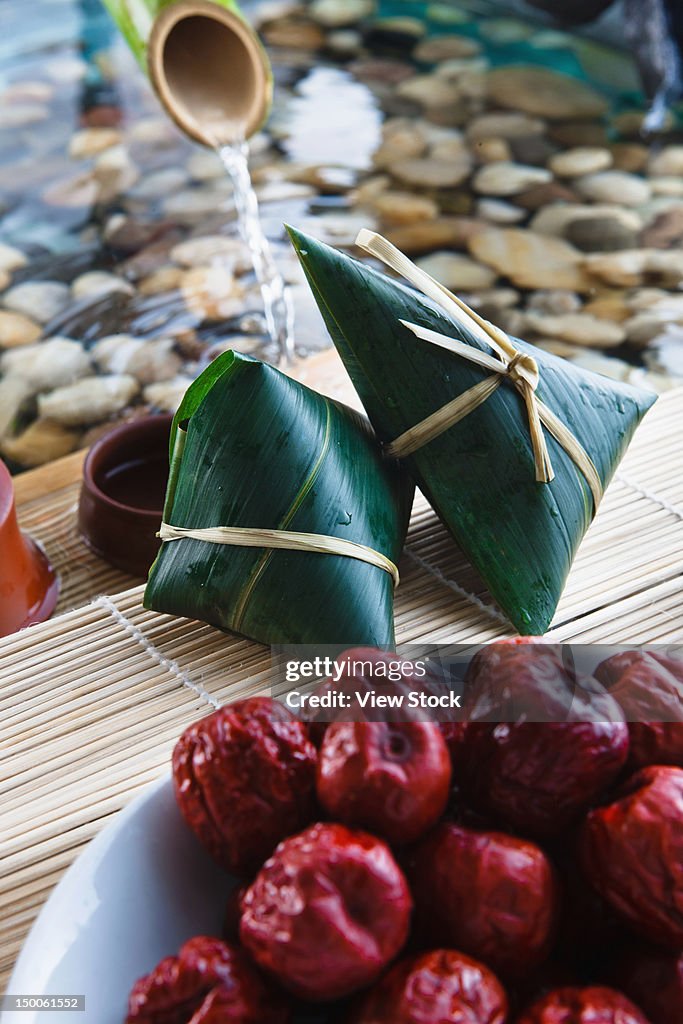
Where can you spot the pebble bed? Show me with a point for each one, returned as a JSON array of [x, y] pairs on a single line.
[[532, 194]]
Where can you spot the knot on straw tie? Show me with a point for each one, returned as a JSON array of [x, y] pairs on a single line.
[[522, 369], [506, 363]]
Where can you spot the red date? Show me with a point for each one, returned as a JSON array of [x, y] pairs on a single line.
[[649, 689], [491, 895], [593, 1005], [441, 987], [327, 912], [539, 777], [632, 851], [653, 978], [244, 779], [179, 985], [391, 777], [541, 745]]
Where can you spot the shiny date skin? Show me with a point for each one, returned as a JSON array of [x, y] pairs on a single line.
[[491, 895], [390, 777], [327, 913], [591, 1005]]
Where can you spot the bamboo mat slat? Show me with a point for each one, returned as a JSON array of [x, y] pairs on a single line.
[[92, 702]]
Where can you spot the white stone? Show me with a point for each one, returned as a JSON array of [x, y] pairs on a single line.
[[578, 329], [96, 283], [579, 161], [49, 364], [39, 300], [340, 13], [148, 360], [456, 272], [499, 212], [88, 401], [167, 395], [668, 185], [428, 173], [508, 179], [205, 250], [614, 187], [212, 293], [669, 161]]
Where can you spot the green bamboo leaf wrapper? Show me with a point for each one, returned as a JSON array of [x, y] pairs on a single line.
[[479, 475], [250, 447]]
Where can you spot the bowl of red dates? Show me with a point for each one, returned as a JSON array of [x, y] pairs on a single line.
[[513, 871]]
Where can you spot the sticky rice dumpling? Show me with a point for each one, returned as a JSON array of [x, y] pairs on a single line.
[[518, 477], [283, 521]]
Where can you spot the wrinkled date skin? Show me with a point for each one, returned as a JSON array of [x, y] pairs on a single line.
[[244, 778], [540, 745], [653, 979], [327, 912], [539, 777], [391, 777], [178, 987], [593, 1005], [649, 688], [632, 852], [491, 895], [441, 987]]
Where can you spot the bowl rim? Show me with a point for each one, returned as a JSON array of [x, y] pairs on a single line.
[[141, 425]]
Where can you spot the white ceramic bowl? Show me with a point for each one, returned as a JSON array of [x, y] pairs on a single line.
[[138, 891]]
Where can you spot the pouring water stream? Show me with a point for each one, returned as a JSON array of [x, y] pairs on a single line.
[[277, 300]]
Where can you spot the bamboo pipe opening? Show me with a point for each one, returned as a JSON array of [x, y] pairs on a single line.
[[209, 71]]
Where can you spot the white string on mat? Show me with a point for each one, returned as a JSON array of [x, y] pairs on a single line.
[[168, 664], [650, 495], [434, 571]]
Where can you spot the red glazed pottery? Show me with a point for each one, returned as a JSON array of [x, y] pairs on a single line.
[[28, 583]]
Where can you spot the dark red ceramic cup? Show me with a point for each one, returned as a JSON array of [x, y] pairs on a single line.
[[122, 495], [28, 583]]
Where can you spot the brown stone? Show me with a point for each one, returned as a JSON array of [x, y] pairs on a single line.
[[43, 441], [445, 233], [544, 93], [578, 133], [629, 156], [294, 33], [543, 195], [17, 329], [665, 231], [530, 260]]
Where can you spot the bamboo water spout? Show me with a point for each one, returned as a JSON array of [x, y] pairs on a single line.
[[205, 62]]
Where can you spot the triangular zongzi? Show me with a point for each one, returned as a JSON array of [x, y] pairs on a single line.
[[256, 460], [481, 474]]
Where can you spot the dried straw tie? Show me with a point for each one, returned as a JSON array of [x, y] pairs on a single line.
[[287, 540], [508, 363]]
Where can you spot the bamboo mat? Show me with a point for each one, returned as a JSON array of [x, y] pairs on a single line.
[[92, 701]]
